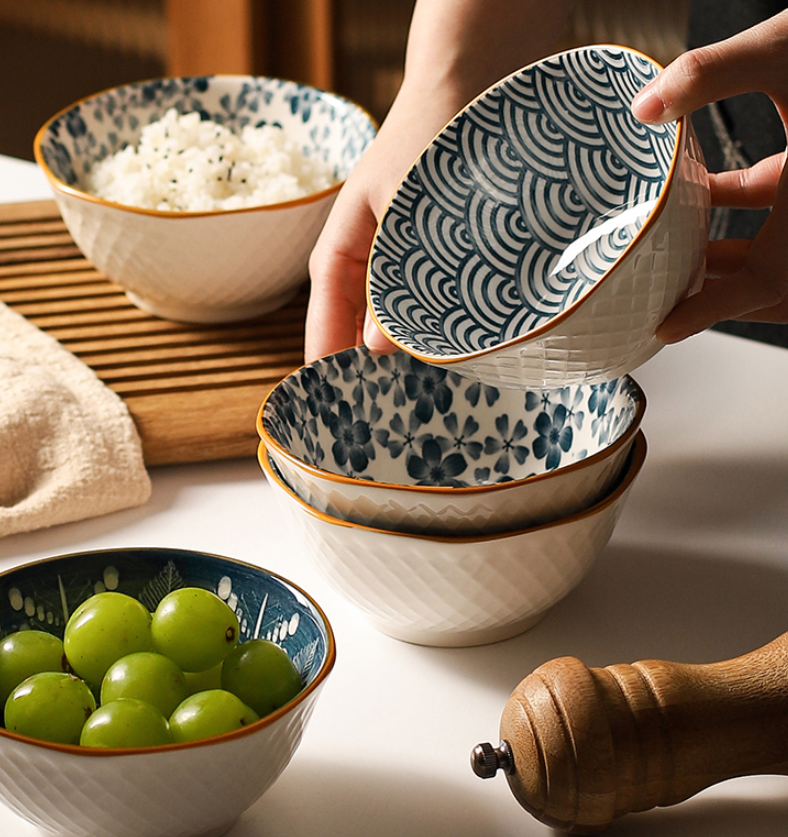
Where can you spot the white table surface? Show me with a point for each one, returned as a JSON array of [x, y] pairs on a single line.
[[696, 571], [21, 180]]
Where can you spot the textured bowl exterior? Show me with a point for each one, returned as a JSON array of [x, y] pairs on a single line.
[[456, 591], [516, 505], [172, 793], [612, 331], [213, 268], [389, 442], [200, 267], [182, 790], [476, 263]]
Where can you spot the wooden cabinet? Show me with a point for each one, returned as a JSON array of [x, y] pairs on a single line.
[[53, 52]]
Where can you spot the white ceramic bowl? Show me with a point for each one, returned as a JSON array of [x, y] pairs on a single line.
[[389, 442], [212, 266], [180, 790], [544, 234], [455, 591]]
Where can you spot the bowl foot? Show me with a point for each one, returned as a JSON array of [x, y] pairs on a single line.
[[202, 314], [460, 638], [218, 831]]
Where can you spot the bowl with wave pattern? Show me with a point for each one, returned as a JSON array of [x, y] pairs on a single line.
[[391, 442], [545, 233], [216, 265], [455, 591], [177, 790]]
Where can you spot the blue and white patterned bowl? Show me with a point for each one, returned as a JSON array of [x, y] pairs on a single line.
[[545, 233], [391, 442], [179, 790], [211, 266]]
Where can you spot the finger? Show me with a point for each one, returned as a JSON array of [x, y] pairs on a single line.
[[375, 339], [726, 257], [760, 285], [773, 314], [720, 299], [756, 59], [751, 188], [335, 312], [338, 271]]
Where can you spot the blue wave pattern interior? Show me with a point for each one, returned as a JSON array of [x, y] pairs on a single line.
[[42, 595], [311, 116], [467, 254], [393, 419]]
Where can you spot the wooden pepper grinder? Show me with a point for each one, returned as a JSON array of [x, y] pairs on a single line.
[[581, 746]]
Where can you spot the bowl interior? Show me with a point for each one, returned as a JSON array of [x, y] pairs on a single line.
[[520, 205], [393, 419], [326, 125], [43, 594]]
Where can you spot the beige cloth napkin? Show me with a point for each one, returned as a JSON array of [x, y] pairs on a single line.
[[69, 448]]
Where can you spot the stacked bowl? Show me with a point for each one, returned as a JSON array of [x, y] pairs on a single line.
[[459, 487], [449, 512]]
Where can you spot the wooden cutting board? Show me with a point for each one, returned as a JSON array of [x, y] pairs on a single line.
[[192, 390]]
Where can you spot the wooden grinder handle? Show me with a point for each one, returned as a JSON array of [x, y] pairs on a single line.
[[582, 746]]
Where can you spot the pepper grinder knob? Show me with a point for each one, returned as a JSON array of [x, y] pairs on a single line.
[[487, 760]]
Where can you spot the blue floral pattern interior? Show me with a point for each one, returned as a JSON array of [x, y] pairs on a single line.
[[472, 250], [393, 419], [41, 596], [117, 117]]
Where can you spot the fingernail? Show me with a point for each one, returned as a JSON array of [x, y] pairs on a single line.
[[374, 339], [647, 106]]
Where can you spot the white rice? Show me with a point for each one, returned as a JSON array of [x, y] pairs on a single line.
[[185, 164]]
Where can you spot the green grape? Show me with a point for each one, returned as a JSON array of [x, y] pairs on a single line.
[[261, 674], [195, 628], [147, 676], [103, 629], [126, 722], [51, 706], [201, 681], [25, 653], [209, 713]]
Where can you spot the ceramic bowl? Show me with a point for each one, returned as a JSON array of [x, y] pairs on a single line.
[[390, 442], [544, 234], [212, 266], [179, 790], [457, 591]]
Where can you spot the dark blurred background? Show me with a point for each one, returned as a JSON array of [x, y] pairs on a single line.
[[53, 52]]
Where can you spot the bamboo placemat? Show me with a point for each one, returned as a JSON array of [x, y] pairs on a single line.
[[192, 390]]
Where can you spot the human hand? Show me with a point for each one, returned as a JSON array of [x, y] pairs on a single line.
[[456, 49], [746, 280], [336, 317]]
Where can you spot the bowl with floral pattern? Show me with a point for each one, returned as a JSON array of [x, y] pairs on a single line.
[[391, 442], [176, 790], [455, 590], [545, 233], [210, 255]]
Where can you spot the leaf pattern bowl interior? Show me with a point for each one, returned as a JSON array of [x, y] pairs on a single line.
[[213, 266], [391, 442], [180, 790], [455, 591], [545, 233]]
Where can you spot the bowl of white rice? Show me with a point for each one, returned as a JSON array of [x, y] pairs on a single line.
[[202, 197]]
